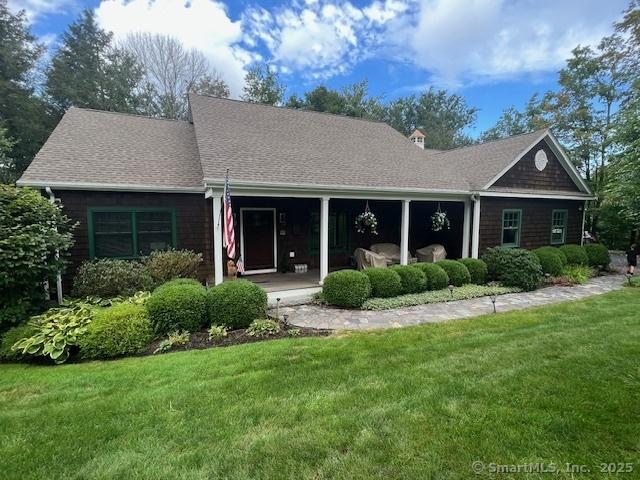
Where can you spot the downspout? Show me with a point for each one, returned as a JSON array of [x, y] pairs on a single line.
[[53, 200]]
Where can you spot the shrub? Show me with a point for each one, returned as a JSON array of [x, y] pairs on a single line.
[[263, 328], [118, 330], [177, 307], [549, 260], [108, 277], [236, 304], [179, 281], [597, 255], [293, 332], [216, 332], [32, 230], [561, 254], [458, 273], [437, 278], [385, 282], [11, 337], [514, 267], [165, 265], [575, 254], [173, 340], [477, 269], [346, 288], [412, 278], [577, 274]]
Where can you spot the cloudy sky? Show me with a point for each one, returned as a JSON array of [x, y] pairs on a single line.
[[494, 52]]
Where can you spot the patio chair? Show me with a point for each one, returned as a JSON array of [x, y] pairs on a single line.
[[391, 252], [431, 253], [368, 259]]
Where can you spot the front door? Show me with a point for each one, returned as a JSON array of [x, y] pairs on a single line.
[[258, 240]]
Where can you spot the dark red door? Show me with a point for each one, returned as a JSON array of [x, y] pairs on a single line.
[[258, 236]]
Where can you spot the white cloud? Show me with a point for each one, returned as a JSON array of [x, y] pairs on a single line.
[[37, 8], [201, 24]]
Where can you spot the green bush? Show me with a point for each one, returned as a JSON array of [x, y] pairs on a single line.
[[109, 277], [177, 307], [477, 269], [575, 254], [236, 304], [32, 230], [122, 329], [597, 255], [458, 273], [437, 278], [217, 332], [179, 281], [10, 338], [346, 288], [413, 279], [577, 274], [514, 267], [549, 260], [165, 265], [385, 282], [173, 340], [263, 328], [561, 254]]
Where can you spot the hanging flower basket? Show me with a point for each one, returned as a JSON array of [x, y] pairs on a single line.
[[439, 220], [367, 222]]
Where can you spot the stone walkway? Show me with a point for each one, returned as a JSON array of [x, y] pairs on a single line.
[[332, 318]]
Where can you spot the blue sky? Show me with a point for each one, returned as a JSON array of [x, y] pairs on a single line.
[[495, 53]]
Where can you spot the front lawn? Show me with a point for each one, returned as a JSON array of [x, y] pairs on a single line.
[[554, 385]]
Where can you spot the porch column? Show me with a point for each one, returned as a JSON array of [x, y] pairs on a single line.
[[324, 238], [466, 228], [475, 240], [217, 238], [404, 234]]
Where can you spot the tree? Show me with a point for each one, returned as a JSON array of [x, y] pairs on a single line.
[[262, 85], [88, 71], [6, 162], [212, 85], [513, 122]]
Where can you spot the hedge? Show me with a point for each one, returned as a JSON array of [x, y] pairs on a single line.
[[514, 267], [180, 306], [385, 282], [10, 337], [108, 278], [236, 303], [477, 269], [437, 278], [413, 279], [458, 273], [576, 255], [346, 288], [549, 260], [597, 255]]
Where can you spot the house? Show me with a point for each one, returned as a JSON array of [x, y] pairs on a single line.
[[298, 180]]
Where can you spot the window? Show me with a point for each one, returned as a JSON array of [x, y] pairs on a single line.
[[511, 221], [338, 232], [130, 232], [558, 226]]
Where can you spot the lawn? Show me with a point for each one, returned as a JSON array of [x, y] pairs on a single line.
[[554, 385]]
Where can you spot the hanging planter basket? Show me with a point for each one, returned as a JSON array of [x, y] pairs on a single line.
[[367, 222], [440, 220]]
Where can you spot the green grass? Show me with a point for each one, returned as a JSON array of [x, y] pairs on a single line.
[[555, 384]]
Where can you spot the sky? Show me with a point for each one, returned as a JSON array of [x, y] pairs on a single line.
[[495, 53]]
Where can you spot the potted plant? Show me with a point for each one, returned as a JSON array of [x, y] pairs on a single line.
[[367, 222], [439, 220]]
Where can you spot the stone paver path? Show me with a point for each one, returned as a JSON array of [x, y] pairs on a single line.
[[332, 318]]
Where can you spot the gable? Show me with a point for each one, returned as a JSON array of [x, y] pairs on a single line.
[[525, 175]]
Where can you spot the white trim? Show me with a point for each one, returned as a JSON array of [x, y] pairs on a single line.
[[584, 215], [404, 233], [275, 240], [115, 187], [475, 239], [552, 196], [466, 229], [217, 238], [324, 238]]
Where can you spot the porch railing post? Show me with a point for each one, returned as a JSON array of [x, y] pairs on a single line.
[[324, 238], [404, 234], [217, 238], [475, 240], [466, 228]]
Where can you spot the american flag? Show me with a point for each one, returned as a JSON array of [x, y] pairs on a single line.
[[240, 265], [229, 234]]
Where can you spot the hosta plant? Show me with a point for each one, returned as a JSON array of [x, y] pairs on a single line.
[[217, 332], [173, 340], [263, 328]]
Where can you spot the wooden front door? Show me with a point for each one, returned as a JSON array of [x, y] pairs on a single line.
[[258, 240]]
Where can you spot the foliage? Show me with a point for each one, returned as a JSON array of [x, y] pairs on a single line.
[[458, 273], [440, 221], [33, 230], [179, 281], [263, 328], [633, 282], [513, 122], [437, 278], [385, 282], [577, 274], [217, 332], [366, 222], [110, 277], [177, 307], [598, 255], [412, 278], [346, 288], [262, 85], [56, 331], [575, 254], [165, 265], [174, 340], [121, 329], [513, 267], [477, 270], [13, 336], [236, 304], [293, 332], [550, 261], [436, 296]]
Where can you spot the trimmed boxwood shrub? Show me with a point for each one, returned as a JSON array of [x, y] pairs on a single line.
[[458, 273], [385, 282], [437, 278], [108, 278], [179, 281], [118, 330], [165, 265], [9, 339], [549, 260], [180, 306], [575, 254], [560, 253], [413, 279], [514, 267], [346, 288], [236, 304], [477, 269], [598, 255]]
